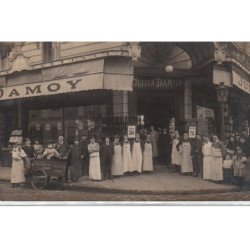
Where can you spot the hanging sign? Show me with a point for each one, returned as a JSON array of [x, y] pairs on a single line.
[[37, 126], [192, 132], [131, 131]]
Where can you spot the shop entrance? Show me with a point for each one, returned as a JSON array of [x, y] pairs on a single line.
[[158, 107]]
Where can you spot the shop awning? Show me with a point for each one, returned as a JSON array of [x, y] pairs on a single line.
[[80, 77]]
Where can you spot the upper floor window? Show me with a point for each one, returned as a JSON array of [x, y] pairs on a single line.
[[47, 51]]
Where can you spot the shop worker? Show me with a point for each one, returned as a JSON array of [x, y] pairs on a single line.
[[106, 155], [207, 158], [75, 166], [147, 165], [30, 152], [117, 164], [186, 159], [164, 147], [197, 156], [218, 155], [94, 160], [175, 154], [137, 154], [83, 144], [63, 148], [126, 155]]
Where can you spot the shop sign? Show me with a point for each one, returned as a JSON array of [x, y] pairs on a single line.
[[59, 125], [37, 126], [47, 127], [192, 132], [241, 82], [131, 131], [158, 83], [59, 86]]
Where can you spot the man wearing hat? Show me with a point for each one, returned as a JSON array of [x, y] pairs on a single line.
[[83, 145], [30, 152]]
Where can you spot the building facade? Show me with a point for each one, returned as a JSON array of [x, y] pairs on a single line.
[[70, 88]]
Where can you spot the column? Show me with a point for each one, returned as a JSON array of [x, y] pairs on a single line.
[[187, 99]]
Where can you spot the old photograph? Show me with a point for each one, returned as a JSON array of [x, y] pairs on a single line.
[[125, 121]]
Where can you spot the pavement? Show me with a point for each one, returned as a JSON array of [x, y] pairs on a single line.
[[161, 181]]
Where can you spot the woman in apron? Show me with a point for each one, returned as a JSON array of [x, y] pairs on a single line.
[[147, 165], [117, 164]]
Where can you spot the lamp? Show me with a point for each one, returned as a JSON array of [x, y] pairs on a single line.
[[222, 94], [169, 68]]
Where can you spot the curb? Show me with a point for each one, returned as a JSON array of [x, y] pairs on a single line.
[[70, 187], [146, 192]]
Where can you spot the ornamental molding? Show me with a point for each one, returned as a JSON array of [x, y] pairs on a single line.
[[134, 51]]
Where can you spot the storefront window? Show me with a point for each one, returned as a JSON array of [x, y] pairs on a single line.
[[47, 124]]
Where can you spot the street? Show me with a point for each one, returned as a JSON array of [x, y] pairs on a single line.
[[8, 193]]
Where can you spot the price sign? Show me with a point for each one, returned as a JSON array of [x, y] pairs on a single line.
[[131, 131], [192, 132]]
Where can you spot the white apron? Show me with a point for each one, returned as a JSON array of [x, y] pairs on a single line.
[[148, 157], [94, 165], [117, 165], [17, 170], [216, 165], [175, 156], [137, 157], [207, 159], [186, 160], [126, 158]]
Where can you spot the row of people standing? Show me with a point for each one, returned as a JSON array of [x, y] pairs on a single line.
[[205, 158], [114, 159]]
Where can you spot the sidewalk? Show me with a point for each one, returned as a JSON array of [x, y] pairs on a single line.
[[161, 181]]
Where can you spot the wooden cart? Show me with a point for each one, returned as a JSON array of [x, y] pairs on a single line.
[[44, 171]]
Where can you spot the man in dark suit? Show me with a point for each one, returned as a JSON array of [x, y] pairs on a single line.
[[63, 149], [30, 152], [196, 152], [83, 144], [106, 156]]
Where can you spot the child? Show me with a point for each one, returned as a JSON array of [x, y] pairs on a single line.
[[147, 164], [50, 153], [239, 166], [117, 164], [94, 163], [227, 169]]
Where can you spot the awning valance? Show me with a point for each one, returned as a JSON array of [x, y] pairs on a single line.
[[95, 78]]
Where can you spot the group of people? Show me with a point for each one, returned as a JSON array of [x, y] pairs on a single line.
[[87, 157], [203, 156], [211, 159]]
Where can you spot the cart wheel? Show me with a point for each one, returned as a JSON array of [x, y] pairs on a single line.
[[39, 179]]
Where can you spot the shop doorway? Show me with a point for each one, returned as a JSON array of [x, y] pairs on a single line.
[[158, 107]]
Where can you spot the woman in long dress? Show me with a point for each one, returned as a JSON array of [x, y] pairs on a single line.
[[147, 164], [117, 163], [75, 167], [137, 154], [218, 155], [186, 158], [126, 156], [18, 169], [207, 158], [94, 160], [176, 156]]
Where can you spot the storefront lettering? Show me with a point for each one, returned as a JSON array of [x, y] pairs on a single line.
[[53, 87], [241, 82], [73, 84], [14, 92], [36, 89], [45, 88], [158, 83]]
